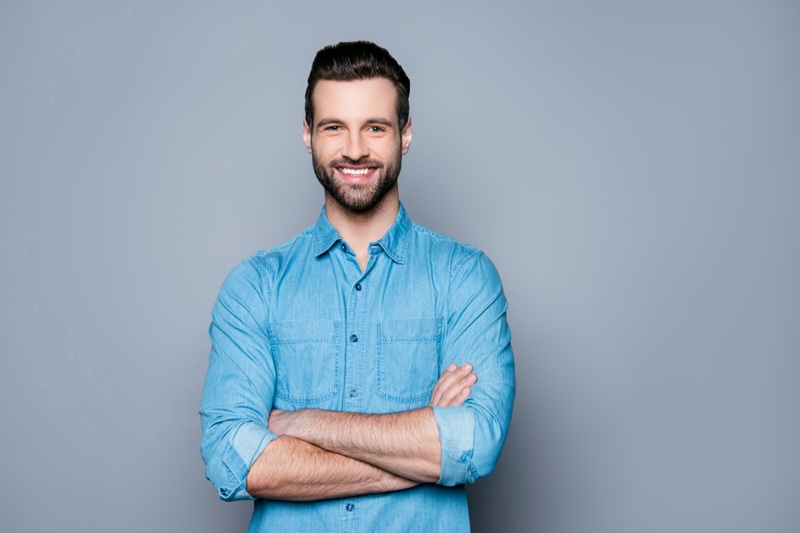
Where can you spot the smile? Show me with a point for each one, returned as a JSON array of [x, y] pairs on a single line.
[[355, 171]]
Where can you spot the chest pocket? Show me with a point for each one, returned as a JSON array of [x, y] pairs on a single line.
[[409, 350], [306, 360]]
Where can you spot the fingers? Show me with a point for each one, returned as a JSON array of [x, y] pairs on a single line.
[[457, 387], [437, 388], [454, 386]]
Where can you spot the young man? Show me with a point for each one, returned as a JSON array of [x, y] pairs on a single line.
[[343, 391]]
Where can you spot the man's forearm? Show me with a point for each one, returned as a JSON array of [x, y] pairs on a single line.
[[405, 444], [292, 469]]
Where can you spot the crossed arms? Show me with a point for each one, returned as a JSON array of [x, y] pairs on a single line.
[[329, 454]]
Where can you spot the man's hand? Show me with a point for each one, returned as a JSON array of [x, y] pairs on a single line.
[[454, 386], [278, 422]]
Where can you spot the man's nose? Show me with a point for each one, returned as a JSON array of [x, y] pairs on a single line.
[[355, 148]]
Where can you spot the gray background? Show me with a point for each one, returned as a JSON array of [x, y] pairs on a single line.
[[633, 169]]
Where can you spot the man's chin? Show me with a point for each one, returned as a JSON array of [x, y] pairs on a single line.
[[357, 205], [358, 198]]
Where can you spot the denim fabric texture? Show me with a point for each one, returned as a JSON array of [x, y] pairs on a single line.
[[301, 325]]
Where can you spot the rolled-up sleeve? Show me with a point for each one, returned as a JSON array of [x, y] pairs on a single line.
[[472, 435], [240, 383]]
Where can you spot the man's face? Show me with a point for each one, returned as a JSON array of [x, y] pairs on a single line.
[[355, 142]]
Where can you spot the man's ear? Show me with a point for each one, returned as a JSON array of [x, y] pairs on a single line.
[[307, 135], [405, 137]]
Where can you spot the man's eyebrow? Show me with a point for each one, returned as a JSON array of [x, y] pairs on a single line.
[[372, 120], [326, 121], [380, 120]]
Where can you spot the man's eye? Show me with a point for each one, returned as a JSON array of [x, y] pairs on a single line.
[[375, 129], [333, 128]]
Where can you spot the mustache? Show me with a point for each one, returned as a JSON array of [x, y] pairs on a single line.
[[364, 161]]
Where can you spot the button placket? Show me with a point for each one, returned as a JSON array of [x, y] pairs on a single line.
[[354, 307], [355, 340]]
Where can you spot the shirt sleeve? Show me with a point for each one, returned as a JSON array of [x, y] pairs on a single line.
[[472, 435], [240, 383]]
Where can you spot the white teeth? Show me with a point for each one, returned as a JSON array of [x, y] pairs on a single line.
[[355, 171]]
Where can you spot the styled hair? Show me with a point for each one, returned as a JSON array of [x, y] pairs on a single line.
[[358, 60]]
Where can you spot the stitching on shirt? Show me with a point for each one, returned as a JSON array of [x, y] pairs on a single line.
[[282, 390], [460, 263], [424, 340]]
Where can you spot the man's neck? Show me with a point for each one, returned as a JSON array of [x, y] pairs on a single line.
[[360, 229]]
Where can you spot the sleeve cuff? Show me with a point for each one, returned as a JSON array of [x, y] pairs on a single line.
[[456, 434], [240, 453]]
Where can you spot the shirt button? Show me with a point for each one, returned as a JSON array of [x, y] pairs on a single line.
[[350, 507], [353, 393], [354, 337], [344, 247], [358, 286]]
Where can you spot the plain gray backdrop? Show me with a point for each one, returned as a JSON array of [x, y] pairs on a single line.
[[632, 168]]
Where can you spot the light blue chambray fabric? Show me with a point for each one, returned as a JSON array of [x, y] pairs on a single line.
[[302, 326]]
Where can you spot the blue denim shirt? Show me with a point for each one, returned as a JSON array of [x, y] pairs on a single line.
[[302, 326]]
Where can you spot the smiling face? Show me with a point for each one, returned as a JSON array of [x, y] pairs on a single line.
[[355, 142]]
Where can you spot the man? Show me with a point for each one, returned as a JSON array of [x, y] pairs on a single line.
[[343, 391]]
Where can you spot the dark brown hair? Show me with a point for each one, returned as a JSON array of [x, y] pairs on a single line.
[[358, 60]]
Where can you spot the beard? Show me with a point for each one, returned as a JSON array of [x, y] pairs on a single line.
[[358, 198]]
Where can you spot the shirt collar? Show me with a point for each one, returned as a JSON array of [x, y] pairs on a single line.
[[325, 235], [394, 242]]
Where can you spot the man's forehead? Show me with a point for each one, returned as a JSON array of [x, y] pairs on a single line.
[[373, 97]]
